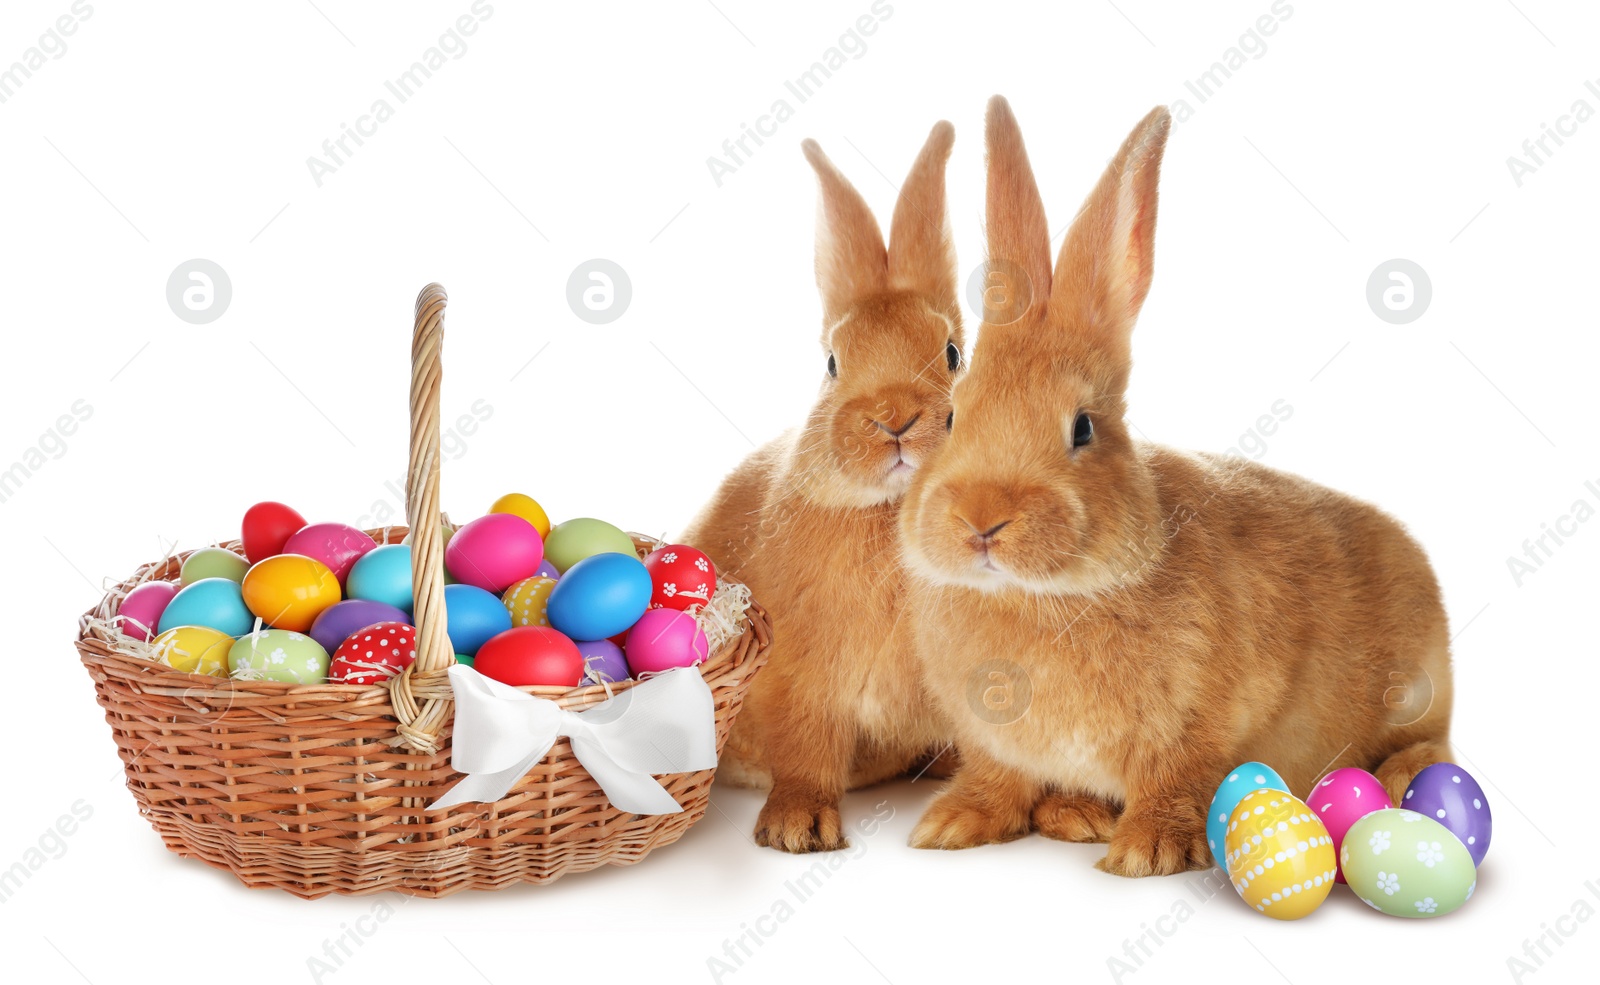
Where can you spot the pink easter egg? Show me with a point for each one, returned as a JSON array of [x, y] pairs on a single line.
[[494, 552], [663, 639], [141, 610], [337, 545], [1344, 797]]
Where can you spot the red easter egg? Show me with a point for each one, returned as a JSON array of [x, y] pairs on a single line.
[[267, 526], [528, 655], [681, 576], [375, 654]]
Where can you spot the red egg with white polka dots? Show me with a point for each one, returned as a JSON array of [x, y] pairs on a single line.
[[681, 576], [375, 654]]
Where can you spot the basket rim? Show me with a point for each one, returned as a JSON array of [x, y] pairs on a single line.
[[96, 647]]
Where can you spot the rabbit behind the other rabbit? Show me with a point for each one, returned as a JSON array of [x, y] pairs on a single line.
[[1148, 618], [808, 521]]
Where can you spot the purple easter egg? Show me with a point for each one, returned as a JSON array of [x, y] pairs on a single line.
[[1448, 794], [141, 610], [335, 624], [604, 661], [547, 570]]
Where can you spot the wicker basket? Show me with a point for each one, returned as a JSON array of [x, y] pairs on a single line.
[[324, 789]]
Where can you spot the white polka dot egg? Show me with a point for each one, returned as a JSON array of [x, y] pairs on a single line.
[[1280, 857]]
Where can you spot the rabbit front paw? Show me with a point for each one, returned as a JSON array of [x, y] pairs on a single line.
[[800, 824], [1074, 817], [1158, 840], [953, 822]]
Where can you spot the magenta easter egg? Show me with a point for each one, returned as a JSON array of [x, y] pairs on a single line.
[[337, 545], [1344, 797], [140, 612], [494, 552], [663, 639]]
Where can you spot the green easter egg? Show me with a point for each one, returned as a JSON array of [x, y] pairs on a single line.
[[214, 562], [463, 659], [573, 540], [1406, 864], [279, 655]]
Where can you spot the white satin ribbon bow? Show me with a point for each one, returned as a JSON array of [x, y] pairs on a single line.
[[666, 724]]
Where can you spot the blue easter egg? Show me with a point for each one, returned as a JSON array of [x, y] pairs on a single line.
[[1245, 779], [383, 574], [214, 602], [600, 596], [472, 616]]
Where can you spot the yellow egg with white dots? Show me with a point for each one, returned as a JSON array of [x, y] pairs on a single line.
[[527, 600], [1280, 856]]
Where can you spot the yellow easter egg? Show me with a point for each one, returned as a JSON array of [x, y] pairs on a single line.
[[527, 600], [1280, 856], [194, 650], [526, 507]]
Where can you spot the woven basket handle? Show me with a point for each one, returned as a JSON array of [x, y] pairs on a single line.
[[421, 694]]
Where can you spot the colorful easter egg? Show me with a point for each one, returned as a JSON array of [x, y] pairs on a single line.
[[445, 533], [281, 655], [494, 552], [1280, 857], [1407, 865], [530, 655], [681, 576], [547, 570], [472, 617], [527, 600], [193, 650], [573, 540], [335, 623], [1246, 778], [526, 507], [383, 575], [1344, 797], [603, 662], [214, 562], [289, 591], [1448, 794], [464, 660], [214, 602], [266, 528], [374, 654], [141, 611], [599, 596], [663, 639], [337, 545]]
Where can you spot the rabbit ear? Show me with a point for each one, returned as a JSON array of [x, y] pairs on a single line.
[[1018, 277], [851, 260], [1103, 273], [922, 255]]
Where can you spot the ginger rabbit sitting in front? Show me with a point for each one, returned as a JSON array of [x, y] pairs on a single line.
[[1154, 617], [808, 521]]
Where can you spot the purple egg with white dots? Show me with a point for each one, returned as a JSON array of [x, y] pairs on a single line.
[[1448, 794]]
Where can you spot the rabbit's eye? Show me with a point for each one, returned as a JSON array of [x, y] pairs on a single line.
[[833, 365], [1082, 431], [952, 355], [950, 421]]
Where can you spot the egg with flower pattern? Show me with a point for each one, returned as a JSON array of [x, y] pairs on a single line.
[[1280, 856], [281, 655], [1407, 865], [680, 577]]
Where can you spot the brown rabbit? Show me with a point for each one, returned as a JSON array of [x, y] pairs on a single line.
[[1111, 626], [808, 521]]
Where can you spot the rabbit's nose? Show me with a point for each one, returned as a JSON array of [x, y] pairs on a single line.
[[902, 429], [980, 537]]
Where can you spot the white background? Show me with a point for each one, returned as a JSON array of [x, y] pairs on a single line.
[[1365, 131]]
